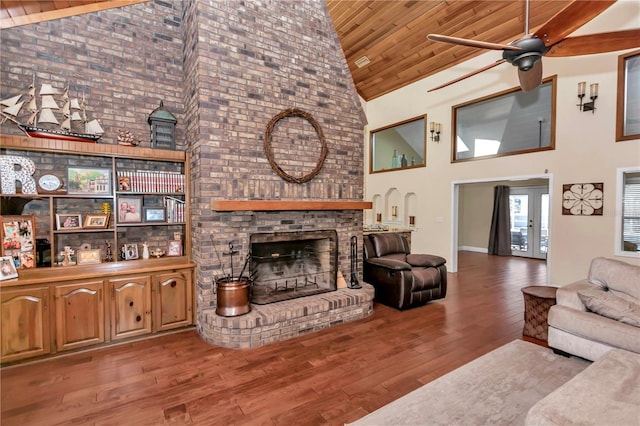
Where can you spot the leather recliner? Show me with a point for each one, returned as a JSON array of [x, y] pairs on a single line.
[[402, 280]]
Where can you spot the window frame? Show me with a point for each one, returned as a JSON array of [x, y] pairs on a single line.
[[509, 92], [372, 150], [619, 219], [621, 105]]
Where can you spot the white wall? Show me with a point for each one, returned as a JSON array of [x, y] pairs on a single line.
[[586, 150]]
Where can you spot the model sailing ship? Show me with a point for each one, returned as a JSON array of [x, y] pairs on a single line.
[[72, 111]]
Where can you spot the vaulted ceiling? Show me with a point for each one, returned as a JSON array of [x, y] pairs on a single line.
[[391, 34]]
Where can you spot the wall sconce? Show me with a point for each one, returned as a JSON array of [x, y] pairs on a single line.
[[435, 128], [593, 94]]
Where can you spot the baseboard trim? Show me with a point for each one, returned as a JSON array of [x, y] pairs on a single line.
[[476, 249]]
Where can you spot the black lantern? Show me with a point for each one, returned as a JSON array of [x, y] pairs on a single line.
[[163, 128]]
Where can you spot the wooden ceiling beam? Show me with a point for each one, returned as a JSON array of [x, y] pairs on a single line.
[[18, 14]]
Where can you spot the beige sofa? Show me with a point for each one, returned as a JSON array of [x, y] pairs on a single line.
[[599, 313]]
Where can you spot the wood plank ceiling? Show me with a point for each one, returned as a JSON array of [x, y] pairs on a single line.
[[392, 34]]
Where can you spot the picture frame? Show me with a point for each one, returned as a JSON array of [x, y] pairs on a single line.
[[66, 221], [85, 257], [174, 248], [129, 209], [130, 251], [96, 221], [7, 268], [124, 183], [88, 181], [155, 214], [17, 235]]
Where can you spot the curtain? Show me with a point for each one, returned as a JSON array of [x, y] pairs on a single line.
[[500, 233]]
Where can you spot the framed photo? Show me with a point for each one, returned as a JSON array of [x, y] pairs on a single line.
[[88, 256], [7, 268], [129, 209], [96, 221], [155, 214], [68, 221], [85, 180], [17, 234], [124, 183], [174, 248], [130, 251]]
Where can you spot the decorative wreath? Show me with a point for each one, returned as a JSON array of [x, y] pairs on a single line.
[[294, 112]]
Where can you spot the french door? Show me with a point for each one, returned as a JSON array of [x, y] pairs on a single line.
[[529, 207]]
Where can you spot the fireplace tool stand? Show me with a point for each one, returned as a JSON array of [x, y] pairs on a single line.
[[354, 284], [233, 294]]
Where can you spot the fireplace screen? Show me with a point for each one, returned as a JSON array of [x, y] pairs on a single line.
[[287, 265]]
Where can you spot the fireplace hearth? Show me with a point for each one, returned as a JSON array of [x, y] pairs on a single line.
[[288, 265]]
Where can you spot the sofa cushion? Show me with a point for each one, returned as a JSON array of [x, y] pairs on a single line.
[[605, 393], [616, 275], [598, 328], [605, 303], [384, 244]]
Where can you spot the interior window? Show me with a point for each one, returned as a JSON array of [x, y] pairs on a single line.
[[510, 122], [398, 146]]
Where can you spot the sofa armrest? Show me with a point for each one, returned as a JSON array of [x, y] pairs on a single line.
[[425, 260], [391, 264], [568, 295]]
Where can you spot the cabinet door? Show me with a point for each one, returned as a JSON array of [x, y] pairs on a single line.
[[79, 314], [173, 304], [130, 306], [25, 323]]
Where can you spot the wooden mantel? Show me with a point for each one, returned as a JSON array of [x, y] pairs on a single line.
[[287, 205]]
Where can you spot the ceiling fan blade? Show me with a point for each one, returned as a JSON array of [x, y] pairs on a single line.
[[471, 43], [471, 74], [596, 43], [569, 19], [531, 79]]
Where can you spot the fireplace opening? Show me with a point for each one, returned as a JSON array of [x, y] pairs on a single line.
[[288, 265]]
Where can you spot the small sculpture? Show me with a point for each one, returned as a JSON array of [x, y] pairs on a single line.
[[145, 250], [67, 253], [108, 253]]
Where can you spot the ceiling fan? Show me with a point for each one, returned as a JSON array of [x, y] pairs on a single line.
[[550, 40]]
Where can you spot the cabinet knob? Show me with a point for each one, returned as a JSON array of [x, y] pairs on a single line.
[[173, 284], [131, 303], [138, 318]]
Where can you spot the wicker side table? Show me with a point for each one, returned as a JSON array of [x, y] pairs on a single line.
[[538, 299]]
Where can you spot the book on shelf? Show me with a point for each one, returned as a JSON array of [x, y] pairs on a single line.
[[175, 209], [151, 181]]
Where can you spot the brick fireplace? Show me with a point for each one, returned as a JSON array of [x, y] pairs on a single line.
[[225, 68], [245, 62]]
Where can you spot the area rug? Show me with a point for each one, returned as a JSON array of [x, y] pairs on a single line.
[[496, 389]]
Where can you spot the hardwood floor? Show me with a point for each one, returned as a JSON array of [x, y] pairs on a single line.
[[333, 376]]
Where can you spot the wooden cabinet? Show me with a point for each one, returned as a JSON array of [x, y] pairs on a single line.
[[25, 323], [130, 306], [79, 314], [173, 300]]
